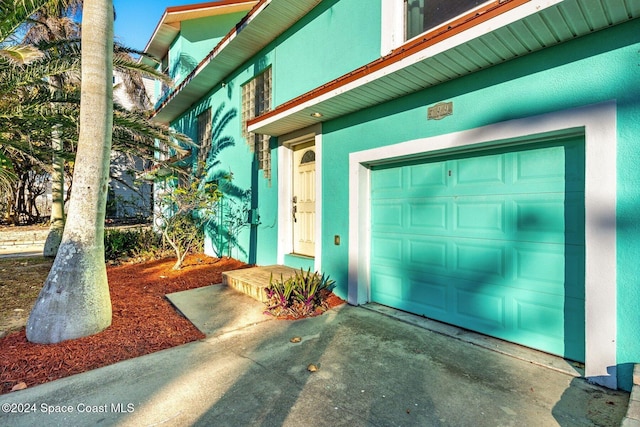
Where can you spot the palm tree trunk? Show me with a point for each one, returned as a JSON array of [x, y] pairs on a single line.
[[56, 228], [74, 301]]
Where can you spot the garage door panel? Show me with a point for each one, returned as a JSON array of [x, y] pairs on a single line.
[[387, 216], [389, 286], [483, 261], [540, 220], [387, 181], [550, 324], [410, 291], [428, 255], [480, 216], [428, 216], [491, 241], [416, 253], [539, 314], [480, 307], [537, 166], [429, 294], [472, 175], [550, 217], [428, 177], [387, 251], [528, 261]]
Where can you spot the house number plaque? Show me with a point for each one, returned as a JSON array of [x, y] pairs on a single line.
[[440, 111]]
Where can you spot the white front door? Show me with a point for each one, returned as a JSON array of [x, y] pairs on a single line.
[[304, 199]]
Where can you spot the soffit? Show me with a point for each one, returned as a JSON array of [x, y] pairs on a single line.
[[414, 67], [267, 20]]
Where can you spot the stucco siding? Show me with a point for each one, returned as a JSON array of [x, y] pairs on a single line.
[[335, 38]]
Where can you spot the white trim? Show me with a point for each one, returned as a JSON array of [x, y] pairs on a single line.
[[392, 30], [506, 18], [285, 241], [285, 160], [598, 122]]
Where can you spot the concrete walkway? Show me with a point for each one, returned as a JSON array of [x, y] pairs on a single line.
[[373, 370]]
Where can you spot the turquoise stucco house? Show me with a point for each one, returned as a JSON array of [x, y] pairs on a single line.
[[475, 162]]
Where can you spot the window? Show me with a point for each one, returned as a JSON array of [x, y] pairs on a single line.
[[204, 136], [256, 99], [405, 19], [423, 15]]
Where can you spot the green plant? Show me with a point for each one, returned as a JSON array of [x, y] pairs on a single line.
[[185, 210], [125, 243], [302, 295]]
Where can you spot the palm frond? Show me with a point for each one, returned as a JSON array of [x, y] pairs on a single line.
[[22, 54]]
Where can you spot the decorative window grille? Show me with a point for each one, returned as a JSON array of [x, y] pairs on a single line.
[[204, 136], [256, 99]]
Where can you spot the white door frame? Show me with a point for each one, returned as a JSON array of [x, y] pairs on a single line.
[[285, 191], [598, 124]]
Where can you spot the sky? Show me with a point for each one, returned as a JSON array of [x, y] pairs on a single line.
[[137, 19]]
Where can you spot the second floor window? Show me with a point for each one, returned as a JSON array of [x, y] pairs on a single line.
[[424, 15], [256, 99]]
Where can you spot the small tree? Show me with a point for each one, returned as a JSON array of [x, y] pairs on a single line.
[[185, 210]]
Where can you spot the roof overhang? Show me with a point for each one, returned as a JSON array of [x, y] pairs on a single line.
[[267, 20], [169, 26], [500, 31]]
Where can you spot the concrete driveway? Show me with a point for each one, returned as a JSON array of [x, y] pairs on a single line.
[[373, 370]]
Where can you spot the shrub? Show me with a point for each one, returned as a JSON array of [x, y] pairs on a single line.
[[126, 243], [302, 295], [185, 211]]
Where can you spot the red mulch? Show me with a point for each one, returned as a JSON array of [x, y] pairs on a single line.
[[143, 322]]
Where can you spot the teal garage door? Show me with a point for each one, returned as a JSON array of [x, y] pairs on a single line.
[[491, 241]]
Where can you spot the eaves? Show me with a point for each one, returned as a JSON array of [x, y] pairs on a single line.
[[266, 21], [500, 31]]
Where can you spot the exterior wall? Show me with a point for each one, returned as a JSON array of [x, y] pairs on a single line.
[[340, 44], [256, 243], [324, 45], [197, 38], [597, 68]]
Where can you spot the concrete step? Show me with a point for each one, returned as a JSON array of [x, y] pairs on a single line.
[[252, 281]]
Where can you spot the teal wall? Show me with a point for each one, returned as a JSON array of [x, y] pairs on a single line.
[[256, 242], [599, 67], [196, 39], [324, 45]]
